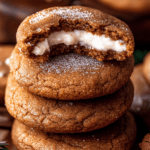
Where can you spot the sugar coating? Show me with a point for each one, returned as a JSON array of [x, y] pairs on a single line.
[[70, 63], [63, 12], [86, 39]]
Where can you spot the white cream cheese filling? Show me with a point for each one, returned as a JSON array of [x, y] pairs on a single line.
[[87, 39]]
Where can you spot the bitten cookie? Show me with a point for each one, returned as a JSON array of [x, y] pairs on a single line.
[[145, 145], [146, 67], [118, 136], [5, 52], [78, 29], [70, 76], [57, 116]]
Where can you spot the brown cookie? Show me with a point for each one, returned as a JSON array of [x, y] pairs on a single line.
[[5, 119], [78, 29], [5, 52], [66, 116], [70, 76], [145, 145], [135, 13], [4, 134], [5, 139], [121, 8], [146, 67], [118, 136], [12, 13], [141, 102]]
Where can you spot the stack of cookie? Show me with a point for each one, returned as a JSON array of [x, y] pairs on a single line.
[[69, 85]]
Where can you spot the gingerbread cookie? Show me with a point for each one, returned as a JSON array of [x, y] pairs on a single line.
[[58, 116], [13, 12], [5, 140], [4, 69], [145, 145], [78, 29], [134, 12], [146, 67], [141, 102], [70, 76], [118, 136], [127, 9], [5, 119]]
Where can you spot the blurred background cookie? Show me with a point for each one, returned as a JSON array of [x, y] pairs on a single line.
[[6, 119], [12, 13], [146, 67], [141, 104], [135, 13], [5, 52]]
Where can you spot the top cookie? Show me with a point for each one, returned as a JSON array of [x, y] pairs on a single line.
[[78, 29]]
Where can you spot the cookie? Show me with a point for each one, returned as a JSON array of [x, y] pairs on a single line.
[[15, 11], [127, 9], [70, 76], [134, 12], [5, 139], [58, 116], [5, 119], [141, 101], [145, 145], [117, 136], [83, 30], [4, 134], [146, 67], [4, 69]]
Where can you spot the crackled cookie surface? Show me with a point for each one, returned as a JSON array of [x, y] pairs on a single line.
[[78, 29], [70, 76], [5, 52], [58, 116], [146, 67], [118, 136]]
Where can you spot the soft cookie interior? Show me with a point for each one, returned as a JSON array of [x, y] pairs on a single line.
[[78, 41]]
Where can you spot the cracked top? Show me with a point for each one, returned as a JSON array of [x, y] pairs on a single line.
[[70, 76], [46, 27], [117, 136], [58, 116], [146, 67]]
